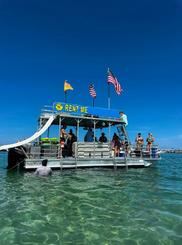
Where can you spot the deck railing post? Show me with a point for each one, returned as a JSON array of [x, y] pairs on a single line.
[[77, 135], [109, 140], [126, 163], [94, 140], [94, 137], [114, 162], [59, 147]]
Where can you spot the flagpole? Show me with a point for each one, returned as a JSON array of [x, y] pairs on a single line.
[[65, 96], [109, 97], [109, 94], [93, 101]]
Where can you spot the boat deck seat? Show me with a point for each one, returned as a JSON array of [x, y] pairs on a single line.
[[35, 152], [88, 149]]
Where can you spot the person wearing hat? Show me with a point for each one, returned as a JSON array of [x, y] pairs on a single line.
[[43, 170], [150, 140], [103, 138]]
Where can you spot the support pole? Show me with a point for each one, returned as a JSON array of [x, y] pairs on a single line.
[[93, 102], [126, 163], [109, 92], [94, 136], [40, 126], [109, 97], [77, 135], [60, 149], [48, 132], [65, 96], [110, 139]]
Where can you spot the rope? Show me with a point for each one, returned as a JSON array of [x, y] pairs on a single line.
[[9, 169]]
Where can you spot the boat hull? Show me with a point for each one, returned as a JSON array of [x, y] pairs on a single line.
[[16, 157], [70, 163]]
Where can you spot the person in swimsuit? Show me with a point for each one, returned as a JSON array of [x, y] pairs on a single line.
[[139, 141], [116, 144], [150, 140]]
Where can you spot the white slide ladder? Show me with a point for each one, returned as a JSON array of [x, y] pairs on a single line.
[[32, 138]]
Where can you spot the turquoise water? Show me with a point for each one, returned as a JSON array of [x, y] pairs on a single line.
[[91, 206]]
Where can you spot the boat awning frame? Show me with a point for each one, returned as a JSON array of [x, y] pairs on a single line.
[[84, 121]]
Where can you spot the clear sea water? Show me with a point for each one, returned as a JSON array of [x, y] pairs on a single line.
[[93, 206]]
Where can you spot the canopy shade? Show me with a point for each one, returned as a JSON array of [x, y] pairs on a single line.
[[85, 121]]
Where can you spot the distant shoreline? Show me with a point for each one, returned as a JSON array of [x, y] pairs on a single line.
[[173, 151]]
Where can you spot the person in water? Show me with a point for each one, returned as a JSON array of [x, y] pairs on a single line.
[[43, 170], [150, 140]]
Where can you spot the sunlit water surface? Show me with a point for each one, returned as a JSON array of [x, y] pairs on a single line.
[[93, 206]]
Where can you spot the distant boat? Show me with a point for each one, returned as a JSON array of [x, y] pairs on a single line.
[[161, 151]]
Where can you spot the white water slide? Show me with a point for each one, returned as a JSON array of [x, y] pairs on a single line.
[[32, 138]]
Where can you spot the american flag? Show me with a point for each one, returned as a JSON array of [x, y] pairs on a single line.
[[112, 79], [92, 91]]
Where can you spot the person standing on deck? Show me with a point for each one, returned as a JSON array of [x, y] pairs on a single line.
[[69, 142], [89, 137], [103, 138], [139, 142], [63, 138], [123, 118], [150, 140], [116, 144], [43, 170], [63, 134]]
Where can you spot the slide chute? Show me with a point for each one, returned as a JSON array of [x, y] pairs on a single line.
[[32, 138]]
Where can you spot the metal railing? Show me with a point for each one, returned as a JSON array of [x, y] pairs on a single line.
[[55, 151], [47, 110], [144, 151], [44, 151]]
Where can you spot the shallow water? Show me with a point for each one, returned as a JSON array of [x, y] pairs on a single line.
[[93, 206]]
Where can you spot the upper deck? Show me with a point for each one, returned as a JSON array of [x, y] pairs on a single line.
[[70, 114]]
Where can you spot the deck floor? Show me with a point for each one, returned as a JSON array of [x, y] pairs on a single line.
[[68, 163]]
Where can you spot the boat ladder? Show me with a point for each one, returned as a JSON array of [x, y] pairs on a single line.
[[123, 133]]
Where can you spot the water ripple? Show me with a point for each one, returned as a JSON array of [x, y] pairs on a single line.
[[91, 206]]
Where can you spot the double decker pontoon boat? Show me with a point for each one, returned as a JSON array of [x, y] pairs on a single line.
[[29, 153]]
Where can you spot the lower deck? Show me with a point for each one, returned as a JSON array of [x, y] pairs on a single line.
[[87, 154], [68, 163]]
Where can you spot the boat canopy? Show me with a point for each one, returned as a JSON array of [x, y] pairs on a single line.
[[84, 121], [72, 115]]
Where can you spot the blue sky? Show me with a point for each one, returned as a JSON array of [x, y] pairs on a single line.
[[42, 43]]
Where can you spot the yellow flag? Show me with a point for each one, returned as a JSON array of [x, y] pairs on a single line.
[[67, 86]]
